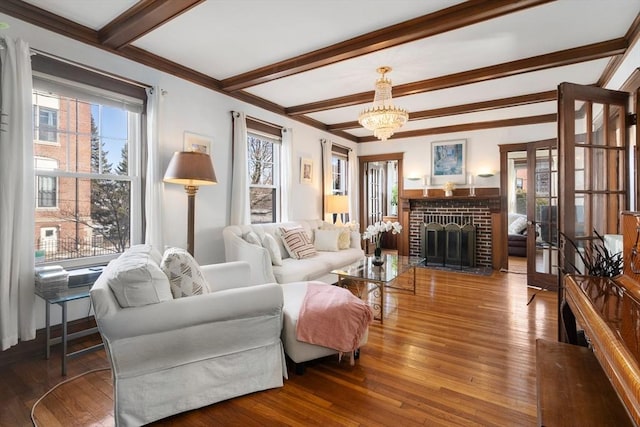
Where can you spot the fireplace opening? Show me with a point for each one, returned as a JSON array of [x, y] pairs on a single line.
[[449, 240]]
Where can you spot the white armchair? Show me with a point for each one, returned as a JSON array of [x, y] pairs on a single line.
[[185, 353]]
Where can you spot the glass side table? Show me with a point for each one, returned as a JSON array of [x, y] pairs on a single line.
[[61, 296]]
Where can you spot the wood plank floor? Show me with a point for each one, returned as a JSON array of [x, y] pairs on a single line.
[[460, 352]]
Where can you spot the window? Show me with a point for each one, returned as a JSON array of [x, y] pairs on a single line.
[[89, 178], [47, 186], [264, 178], [46, 121], [340, 174], [339, 168]]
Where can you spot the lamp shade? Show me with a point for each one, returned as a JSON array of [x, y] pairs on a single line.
[[190, 168], [337, 204]]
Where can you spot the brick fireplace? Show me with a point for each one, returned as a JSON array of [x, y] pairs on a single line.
[[478, 209]]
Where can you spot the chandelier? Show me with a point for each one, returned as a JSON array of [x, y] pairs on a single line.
[[383, 118]]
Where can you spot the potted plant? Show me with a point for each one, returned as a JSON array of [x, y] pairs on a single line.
[[374, 234]]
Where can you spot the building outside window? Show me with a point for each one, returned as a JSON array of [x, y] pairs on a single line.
[[87, 172], [264, 178]]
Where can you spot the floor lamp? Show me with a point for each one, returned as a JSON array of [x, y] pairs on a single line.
[[337, 204], [190, 169]]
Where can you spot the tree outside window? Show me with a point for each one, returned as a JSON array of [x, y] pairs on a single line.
[[264, 178]]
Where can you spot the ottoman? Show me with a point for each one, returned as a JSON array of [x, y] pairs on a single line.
[[298, 351]]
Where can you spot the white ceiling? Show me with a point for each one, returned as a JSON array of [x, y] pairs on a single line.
[[224, 38]]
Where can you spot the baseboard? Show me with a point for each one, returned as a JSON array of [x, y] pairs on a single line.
[[36, 347]]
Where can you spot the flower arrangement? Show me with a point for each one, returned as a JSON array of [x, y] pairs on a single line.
[[374, 233], [448, 188]]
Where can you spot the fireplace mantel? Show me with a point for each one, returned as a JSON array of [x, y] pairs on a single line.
[[486, 204]]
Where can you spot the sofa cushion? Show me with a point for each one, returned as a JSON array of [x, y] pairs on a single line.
[[518, 225], [298, 243], [136, 279], [252, 238], [185, 277], [293, 270], [327, 240], [271, 245]]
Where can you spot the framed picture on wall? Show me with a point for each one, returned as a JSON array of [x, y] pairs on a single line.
[[306, 171], [196, 142], [449, 161]]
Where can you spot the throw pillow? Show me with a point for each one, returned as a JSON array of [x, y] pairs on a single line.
[[327, 240], [298, 243], [185, 277], [344, 240], [518, 225], [270, 244], [136, 280], [252, 238]]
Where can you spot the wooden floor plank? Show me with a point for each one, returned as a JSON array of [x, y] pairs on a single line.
[[461, 352]]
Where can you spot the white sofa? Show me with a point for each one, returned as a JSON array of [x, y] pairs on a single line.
[[180, 354], [317, 267]]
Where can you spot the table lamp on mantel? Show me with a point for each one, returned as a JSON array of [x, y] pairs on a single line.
[[191, 169]]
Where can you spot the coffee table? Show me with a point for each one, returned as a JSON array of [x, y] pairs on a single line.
[[370, 279]]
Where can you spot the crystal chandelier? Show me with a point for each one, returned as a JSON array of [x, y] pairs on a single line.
[[383, 118]]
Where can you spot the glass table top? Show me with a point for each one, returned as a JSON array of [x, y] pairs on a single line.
[[55, 295], [393, 266]]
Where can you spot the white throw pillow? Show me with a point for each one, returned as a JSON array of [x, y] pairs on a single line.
[[184, 273], [252, 238], [298, 243], [327, 240], [518, 225], [271, 245], [136, 279]]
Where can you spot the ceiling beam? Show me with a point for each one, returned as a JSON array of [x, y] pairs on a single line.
[[44, 19], [632, 37], [535, 63], [473, 107], [466, 127], [140, 19], [451, 18]]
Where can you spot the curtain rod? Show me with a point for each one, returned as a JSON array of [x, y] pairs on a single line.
[[337, 145]]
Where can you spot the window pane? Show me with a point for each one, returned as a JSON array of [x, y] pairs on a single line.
[[262, 202], [261, 161], [92, 218]]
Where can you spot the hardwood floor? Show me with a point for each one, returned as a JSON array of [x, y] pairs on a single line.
[[460, 352]]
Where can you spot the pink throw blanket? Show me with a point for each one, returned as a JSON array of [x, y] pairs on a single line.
[[332, 317]]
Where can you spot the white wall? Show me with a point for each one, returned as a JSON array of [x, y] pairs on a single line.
[[482, 150]]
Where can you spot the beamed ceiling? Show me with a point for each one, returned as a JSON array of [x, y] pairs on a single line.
[[457, 65]]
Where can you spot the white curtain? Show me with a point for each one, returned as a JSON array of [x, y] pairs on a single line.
[[240, 208], [353, 186], [286, 175], [154, 173], [327, 175], [17, 321]]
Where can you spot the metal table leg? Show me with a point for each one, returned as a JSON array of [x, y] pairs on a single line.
[[64, 338], [47, 329]]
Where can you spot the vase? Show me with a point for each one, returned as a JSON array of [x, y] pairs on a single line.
[[378, 259], [448, 193]]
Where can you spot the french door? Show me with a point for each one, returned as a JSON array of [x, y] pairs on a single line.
[[542, 214], [593, 170]]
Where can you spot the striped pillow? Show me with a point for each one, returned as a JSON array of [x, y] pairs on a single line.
[[298, 243]]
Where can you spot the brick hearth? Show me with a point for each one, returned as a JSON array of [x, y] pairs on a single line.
[[479, 209]]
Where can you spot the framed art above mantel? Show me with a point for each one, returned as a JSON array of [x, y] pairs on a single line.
[[448, 161]]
